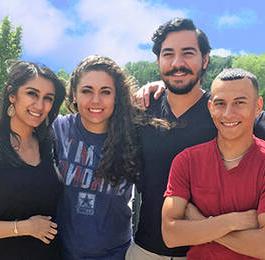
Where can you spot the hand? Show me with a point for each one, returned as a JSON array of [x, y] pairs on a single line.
[[192, 213], [243, 220], [41, 227], [142, 96]]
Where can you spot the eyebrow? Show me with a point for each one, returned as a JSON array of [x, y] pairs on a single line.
[[190, 49], [167, 49], [237, 98], [36, 90], [183, 49], [103, 87]]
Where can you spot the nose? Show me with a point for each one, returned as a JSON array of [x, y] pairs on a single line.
[[95, 99], [177, 61], [39, 104], [228, 111]]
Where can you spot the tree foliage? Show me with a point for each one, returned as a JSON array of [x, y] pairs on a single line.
[[63, 76], [10, 46], [254, 64], [143, 71], [217, 64]]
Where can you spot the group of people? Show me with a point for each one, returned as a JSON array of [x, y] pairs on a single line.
[[73, 174]]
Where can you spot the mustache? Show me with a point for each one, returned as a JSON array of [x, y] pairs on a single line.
[[176, 70]]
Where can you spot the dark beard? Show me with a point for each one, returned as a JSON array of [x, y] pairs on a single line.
[[184, 89], [181, 91]]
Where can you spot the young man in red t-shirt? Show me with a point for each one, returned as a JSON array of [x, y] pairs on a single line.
[[223, 178]]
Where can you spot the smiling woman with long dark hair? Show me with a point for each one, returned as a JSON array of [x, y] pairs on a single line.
[[29, 184]]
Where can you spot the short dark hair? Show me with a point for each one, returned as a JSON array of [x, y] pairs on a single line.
[[238, 73], [176, 25]]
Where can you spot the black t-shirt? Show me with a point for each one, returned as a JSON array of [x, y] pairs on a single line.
[[159, 148], [24, 192]]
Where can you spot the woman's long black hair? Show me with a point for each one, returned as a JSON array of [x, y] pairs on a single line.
[[19, 73]]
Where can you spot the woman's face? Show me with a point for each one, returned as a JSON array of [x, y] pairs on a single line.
[[33, 101], [95, 98]]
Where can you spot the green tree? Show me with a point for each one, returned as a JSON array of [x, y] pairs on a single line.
[[63, 76], [254, 64], [10, 46], [217, 64], [143, 71]]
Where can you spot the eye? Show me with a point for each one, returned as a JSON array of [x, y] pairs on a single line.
[[240, 102], [32, 93], [86, 91], [167, 54], [106, 92], [49, 99], [188, 53], [219, 103]]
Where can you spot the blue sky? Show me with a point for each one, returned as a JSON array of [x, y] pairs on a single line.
[[59, 33]]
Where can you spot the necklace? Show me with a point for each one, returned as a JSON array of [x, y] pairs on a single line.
[[235, 159]]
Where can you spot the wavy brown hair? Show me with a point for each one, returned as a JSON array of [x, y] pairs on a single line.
[[120, 152]]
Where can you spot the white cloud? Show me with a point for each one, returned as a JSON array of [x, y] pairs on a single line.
[[241, 19], [225, 52], [43, 25], [113, 28], [221, 52], [120, 26]]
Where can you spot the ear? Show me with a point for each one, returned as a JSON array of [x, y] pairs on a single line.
[[205, 61], [12, 98], [259, 105], [210, 105]]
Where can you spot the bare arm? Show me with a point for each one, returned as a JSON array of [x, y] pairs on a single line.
[[177, 231], [142, 96], [40, 227], [248, 242]]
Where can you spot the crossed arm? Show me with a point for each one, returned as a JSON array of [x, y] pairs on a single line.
[[241, 232]]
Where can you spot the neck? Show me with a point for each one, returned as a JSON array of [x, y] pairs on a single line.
[[232, 151], [25, 132], [179, 104]]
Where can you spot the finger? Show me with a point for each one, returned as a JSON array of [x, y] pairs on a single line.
[[160, 90], [146, 98], [53, 231], [53, 225], [45, 240], [50, 236]]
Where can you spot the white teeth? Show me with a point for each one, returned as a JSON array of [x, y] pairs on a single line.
[[179, 74], [95, 110], [230, 124], [34, 114]]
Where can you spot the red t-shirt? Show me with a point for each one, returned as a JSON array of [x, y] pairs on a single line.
[[198, 175]]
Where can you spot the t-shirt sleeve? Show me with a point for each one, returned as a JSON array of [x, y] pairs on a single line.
[[179, 181]]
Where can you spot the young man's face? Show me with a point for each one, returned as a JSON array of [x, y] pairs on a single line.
[[234, 106], [181, 62]]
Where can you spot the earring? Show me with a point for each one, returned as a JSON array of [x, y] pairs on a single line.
[[11, 111], [47, 121]]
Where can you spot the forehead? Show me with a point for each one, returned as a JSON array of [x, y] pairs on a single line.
[[232, 88], [180, 40], [96, 78], [39, 83]]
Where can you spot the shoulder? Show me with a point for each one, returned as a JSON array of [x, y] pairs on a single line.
[[64, 121], [260, 144], [199, 151], [259, 127]]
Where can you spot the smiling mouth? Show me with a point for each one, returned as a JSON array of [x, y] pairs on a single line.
[[95, 110], [34, 114], [230, 124]]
